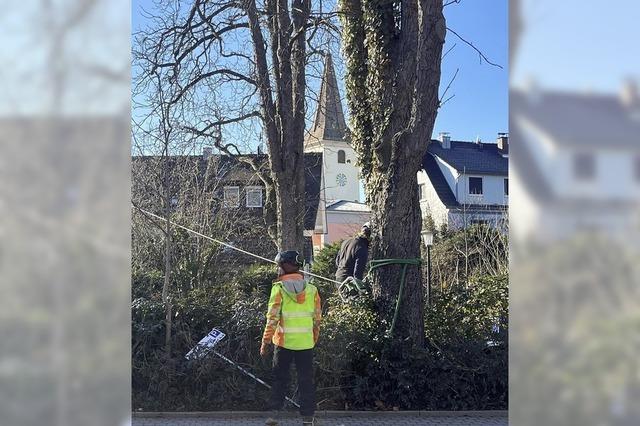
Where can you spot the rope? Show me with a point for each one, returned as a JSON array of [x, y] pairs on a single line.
[[386, 262], [227, 244], [374, 263]]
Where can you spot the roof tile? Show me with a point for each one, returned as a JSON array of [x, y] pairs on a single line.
[[472, 158]]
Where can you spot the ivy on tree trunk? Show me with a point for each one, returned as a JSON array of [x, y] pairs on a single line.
[[393, 53]]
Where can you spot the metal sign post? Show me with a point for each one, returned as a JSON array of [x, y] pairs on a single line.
[[205, 347]]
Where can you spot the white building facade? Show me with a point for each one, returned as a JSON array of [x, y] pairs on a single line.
[[577, 166], [465, 183]]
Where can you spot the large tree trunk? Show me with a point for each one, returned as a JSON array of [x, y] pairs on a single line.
[[393, 75], [291, 211], [283, 117], [397, 220]]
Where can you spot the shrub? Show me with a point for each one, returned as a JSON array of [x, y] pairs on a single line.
[[469, 312], [463, 366], [236, 305], [256, 277], [458, 256], [146, 283], [348, 336], [325, 265]]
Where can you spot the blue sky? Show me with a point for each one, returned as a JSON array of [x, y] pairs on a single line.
[[578, 45], [479, 107]]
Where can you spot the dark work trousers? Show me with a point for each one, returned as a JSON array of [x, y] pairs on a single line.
[[303, 359]]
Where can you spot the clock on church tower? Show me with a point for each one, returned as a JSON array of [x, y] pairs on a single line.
[[329, 136]]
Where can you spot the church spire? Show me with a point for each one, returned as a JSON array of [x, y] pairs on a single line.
[[329, 121]]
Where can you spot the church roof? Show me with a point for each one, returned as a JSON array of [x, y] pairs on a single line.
[[329, 123], [348, 206]]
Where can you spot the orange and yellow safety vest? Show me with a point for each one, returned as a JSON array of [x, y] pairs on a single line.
[[293, 320]]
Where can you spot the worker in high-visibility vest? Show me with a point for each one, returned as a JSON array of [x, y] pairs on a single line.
[[293, 325]]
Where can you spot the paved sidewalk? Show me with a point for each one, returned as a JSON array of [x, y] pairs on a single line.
[[416, 418]]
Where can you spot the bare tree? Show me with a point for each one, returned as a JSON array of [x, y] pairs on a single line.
[[158, 136], [393, 53], [235, 65]]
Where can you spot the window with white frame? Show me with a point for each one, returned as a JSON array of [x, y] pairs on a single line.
[[254, 196], [584, 166], [341, 157], [475, 186], [422, 191], [231, 196]]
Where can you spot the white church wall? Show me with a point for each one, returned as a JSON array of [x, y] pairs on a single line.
[[341, 179]]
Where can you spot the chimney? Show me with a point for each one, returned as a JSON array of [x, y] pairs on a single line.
[[445, 139], [206, 153], [503, 142], [629, 94], [532, 90]]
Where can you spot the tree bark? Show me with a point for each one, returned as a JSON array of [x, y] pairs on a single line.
[[393, 75], [397, 224], [284, 118], [166, 299]]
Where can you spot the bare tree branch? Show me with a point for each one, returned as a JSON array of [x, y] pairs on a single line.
[[482, 56], [448, 50], [210, 74], [216, 124], [447, 88]]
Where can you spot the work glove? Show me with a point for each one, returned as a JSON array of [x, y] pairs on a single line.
[[265, 348]]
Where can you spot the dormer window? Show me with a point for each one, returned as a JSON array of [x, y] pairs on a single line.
[[475, 186], [584, 166], [341, 157]]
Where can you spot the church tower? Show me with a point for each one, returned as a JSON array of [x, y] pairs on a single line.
[[329, 135]]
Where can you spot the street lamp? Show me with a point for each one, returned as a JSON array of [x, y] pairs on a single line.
[[427, 239]]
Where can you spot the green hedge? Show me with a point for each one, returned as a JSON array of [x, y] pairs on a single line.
[[462, 366]]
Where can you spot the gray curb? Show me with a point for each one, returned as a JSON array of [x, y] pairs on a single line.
[[322, 414]]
